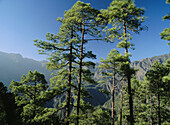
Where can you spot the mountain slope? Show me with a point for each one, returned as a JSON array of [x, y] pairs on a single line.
[[13, 66], [144, 65]]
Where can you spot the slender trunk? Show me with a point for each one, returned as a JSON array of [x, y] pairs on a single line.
[[125, 36], [151, 117], [113, 92], [128, 78], [159, 110], [130, 102], [68, 98], [80, 72], [34, 113], [121, 104]]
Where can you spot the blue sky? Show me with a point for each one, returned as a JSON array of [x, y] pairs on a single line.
[[22, 21]]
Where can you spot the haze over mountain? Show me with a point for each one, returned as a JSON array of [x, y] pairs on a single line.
[[144, 65], [13, 66]]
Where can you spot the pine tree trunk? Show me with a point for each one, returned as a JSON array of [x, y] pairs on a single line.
[[125, 36], [80, 72], [128, 79], [130, 101], [159, 110], [121, 104], [34, 113], [113, 92], [151, 117], [69, 84]]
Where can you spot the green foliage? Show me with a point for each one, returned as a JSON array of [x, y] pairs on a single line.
[[97, 116], [62, 52], [141, 98], [8, 113], [85, 110], [167, 78], [83, 18], [159, 89], [166, 32], [140, 103], [101, 117], [154, 76], [66, 52], [121, 14], [167, 1], [86, 15], [66, 55], [2, 110], [31, 94], [113, 64], [125, 18]]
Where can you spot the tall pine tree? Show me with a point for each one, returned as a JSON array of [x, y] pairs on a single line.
[[112, 63], [125, 18], [157, 87], [87, 24]]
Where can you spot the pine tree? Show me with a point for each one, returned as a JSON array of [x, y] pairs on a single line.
[[7, 107], [66, 48], [166, 32], [61, 50], [125, 18], [31, 94], [66, 35], [121, 107], [142, 104], [87, 24], [157, 87], [100, 117], [96, 116], [167, 78], [112, 62], [2, 109]]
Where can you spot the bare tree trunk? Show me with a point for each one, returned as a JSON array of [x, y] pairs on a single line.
[[121, 104], [128, 79], [151, 117], [80, 72], [35, 90], [159, 110], [113, 92], [68, 98]]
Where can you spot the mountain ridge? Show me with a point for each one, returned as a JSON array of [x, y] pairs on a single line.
[[143, 65], [13, 66]]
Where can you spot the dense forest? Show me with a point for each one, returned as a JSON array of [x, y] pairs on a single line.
[[115, 91]]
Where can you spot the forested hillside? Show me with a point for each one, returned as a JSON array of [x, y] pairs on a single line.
[[97, 97], [80, 91], [13, 66]]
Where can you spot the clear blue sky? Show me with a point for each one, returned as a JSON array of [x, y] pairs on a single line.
[[22, 21]]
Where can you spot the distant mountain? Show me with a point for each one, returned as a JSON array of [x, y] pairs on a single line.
[[144, 65], [13, 66]]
